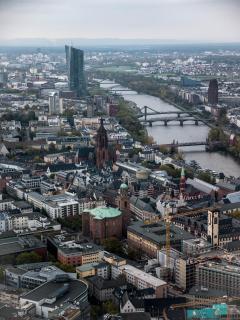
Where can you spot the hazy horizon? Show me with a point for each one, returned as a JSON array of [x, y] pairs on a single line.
[[198, 21]]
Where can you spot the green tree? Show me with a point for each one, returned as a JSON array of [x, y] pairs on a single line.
[[96, 311], [1, 274], [113, 245], [207, 177], [175, 173], [65, 267], [110, 307], [74, 223], [28, 257]]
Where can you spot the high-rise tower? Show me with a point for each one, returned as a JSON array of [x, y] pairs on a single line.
[[213, 92], [75, 69], [101, 146], [53, 103]]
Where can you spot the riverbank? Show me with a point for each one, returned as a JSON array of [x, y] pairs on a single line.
[[127, 117], [229, 147], [156, 88], [153, 87]]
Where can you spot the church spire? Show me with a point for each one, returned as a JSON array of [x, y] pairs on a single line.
[[101, 146], [182, 181]]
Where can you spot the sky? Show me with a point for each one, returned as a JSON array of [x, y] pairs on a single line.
[[176, 20]]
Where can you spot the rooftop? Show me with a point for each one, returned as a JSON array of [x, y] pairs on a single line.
[[156, 232], [151, 280], [104, 212], [222, 267], [14, 245], [49, 289]]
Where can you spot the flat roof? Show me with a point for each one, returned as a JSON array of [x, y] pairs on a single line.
[[14, 245], [156, 232], [222, 267], [155, 282], [76, 289]]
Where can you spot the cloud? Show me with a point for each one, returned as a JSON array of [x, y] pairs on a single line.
[[210, 20]]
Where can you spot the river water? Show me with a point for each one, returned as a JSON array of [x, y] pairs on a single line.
[[189, 132]]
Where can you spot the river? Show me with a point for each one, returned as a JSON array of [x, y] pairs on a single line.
[[189, 132]]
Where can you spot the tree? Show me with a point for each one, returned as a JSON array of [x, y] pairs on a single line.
[[37, 159], [175, 173], [65, 267], [74, 223], [207, 177], [110, 307], [133, 254], [96, 311], [150, 140], [113, 245], [28, 257], [51, 147], [1, 274]]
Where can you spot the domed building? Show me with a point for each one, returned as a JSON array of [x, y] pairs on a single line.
[[101, 223]]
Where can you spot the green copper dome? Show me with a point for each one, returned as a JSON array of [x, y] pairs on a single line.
[[104, 212], [123, 186]]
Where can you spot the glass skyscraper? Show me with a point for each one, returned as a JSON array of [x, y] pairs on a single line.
[[75, 68]]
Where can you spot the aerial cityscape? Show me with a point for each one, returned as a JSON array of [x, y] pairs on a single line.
[[120, 160]]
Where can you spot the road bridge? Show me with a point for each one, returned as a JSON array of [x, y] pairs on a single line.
[[150, 112], [165, 121], [181, 116], [209, 145]]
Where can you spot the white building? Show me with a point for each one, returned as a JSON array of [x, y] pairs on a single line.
[[143, 280], [53, 103], [57, 206]]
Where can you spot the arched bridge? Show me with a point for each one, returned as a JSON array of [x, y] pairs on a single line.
[[165, 121], [180, 116]]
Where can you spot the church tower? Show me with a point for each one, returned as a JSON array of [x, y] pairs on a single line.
[[101, 146], [213, 227], [182, 182], [124, 206]]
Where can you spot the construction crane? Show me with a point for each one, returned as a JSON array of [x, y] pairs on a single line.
[[168, 220]]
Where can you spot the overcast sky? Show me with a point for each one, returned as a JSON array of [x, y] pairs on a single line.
[[184, 20]]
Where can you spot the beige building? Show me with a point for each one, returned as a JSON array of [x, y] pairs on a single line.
[[143, 280]]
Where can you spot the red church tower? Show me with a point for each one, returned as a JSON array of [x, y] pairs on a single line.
[[182, 182], [101, 146]]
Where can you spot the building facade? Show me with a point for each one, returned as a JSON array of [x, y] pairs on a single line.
[[75, 68]]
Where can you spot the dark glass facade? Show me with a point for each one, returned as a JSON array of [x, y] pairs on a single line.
[[75, 68]]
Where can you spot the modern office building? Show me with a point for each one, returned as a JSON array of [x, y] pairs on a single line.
[[219, 276], [53, 103], [75, 69], [213, 92]]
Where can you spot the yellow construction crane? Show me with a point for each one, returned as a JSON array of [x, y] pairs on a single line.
[[168, 220]]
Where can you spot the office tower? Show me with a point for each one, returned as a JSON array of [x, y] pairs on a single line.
[[53, 103], [213, 92], [3, 78], [75, 69]]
